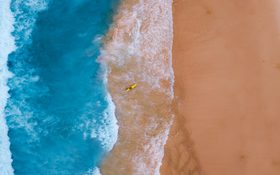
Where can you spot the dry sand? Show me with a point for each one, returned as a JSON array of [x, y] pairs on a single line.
[[226, 58]]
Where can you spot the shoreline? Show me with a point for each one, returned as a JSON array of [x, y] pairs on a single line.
[[179, 155], [226, 65]]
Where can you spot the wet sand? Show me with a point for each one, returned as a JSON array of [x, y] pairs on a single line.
[[137, 49], [226, 60]]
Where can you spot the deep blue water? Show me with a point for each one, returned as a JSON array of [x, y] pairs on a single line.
[[58, 103]]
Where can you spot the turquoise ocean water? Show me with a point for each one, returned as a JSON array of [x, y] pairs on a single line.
[[59, 116]]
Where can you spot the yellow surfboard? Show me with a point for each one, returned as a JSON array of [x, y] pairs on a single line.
[[131, 87]]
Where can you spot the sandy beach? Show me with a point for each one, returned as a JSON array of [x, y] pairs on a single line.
[[226, 60]]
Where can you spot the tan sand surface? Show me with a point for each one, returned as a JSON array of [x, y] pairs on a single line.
[[226, 59]]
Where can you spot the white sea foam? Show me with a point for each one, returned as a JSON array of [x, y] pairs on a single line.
[[25, 13], [27, 17], [155, 151], [6, 47], [106, 129], [96, 171]]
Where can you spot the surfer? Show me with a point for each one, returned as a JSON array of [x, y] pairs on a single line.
[[131, 87]]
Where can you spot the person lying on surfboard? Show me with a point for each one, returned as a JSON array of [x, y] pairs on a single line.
[[131, 87]]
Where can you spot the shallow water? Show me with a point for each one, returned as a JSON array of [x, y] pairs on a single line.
[[138, 50], [59, 114]]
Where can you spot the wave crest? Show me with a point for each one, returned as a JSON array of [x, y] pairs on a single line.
[[6, 47]]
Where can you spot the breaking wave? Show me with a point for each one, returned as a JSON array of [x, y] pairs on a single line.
[[6, 47]]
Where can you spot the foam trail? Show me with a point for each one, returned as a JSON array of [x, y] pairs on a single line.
[[6, 47], [109, 117], [107, 135]]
